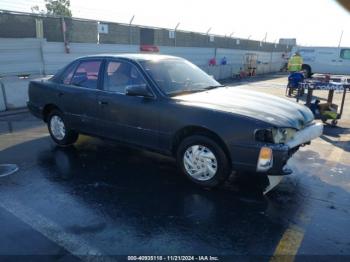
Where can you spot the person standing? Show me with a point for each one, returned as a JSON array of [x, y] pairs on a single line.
[[295, 63], [224, 61]]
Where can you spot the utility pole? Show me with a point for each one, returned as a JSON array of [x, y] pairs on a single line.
[[264, 40], [130, 33], [178, 24], [207, 33], [341, 36]]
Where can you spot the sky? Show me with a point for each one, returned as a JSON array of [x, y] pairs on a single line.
[[311, 22]]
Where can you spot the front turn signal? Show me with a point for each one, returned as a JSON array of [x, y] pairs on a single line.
[[265, 159]]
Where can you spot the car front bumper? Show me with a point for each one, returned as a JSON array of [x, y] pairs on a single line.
[[245, 157]]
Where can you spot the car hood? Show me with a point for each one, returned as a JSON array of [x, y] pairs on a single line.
[[268, 108]]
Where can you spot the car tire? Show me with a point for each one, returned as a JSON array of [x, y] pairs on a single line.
[[60, 133], [203, 161]]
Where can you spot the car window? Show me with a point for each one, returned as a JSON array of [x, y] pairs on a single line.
[[345, 53], [68, 74], [86, 74], [119, 75]]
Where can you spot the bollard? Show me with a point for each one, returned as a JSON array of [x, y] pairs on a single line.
[[3, 101]]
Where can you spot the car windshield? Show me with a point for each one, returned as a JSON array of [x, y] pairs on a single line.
[[178, 76]]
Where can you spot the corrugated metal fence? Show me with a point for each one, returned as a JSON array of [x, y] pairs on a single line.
[[37, 56]]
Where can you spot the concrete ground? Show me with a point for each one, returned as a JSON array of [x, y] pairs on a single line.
[[101, 200]]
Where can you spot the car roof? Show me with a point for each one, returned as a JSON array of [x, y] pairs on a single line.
[[133, 56]]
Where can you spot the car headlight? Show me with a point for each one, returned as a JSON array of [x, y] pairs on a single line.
[[275, 135]]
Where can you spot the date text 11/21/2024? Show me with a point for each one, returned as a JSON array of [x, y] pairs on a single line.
[[173, 258]]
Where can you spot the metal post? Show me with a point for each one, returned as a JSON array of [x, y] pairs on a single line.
[[330, 96], [341, 36], [42, 56], [208, 35], [130, 34], [98, 33], [342, 103], [271, 54], [64, 30], [2, 87], [178, 24], [264, 40]]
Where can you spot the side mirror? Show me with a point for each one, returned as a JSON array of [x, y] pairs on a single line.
[[138, 90]]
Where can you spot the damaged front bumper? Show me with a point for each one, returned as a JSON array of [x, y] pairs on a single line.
[[246, 157], [306, 135], [279, 169], [282, 152]]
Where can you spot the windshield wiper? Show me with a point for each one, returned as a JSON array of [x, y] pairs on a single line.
[[190, 91], [213, 87], [184, 92]]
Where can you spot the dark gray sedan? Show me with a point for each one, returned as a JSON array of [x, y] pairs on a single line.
[[167, 104]]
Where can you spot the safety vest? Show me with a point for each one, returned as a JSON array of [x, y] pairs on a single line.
[[295, 63]]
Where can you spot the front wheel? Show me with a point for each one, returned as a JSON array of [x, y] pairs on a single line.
[[203, 161], [59, 131]]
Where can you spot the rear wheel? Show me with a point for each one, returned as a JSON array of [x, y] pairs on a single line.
[[203, 161], [59, 131]]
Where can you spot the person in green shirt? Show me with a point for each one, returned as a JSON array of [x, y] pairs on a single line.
[[295, 63]]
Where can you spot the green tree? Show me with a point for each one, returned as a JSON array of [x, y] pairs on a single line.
[[55, 7], [58, 7]]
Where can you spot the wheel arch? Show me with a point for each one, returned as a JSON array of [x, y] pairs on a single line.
[[198, 130], [47, 109]]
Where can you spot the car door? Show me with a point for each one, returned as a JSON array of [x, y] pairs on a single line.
[[127, 118], [77, 95]]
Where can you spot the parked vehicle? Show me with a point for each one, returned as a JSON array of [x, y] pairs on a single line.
[[169, 105], [325, 60]]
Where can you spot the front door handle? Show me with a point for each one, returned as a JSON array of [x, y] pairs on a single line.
[[60, 94], [102, 103]]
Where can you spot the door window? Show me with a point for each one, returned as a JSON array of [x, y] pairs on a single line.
[[345, 54], [68, 74], [119, 75], [87, 74]]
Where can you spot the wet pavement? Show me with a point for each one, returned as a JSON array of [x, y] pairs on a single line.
[[98, 198]]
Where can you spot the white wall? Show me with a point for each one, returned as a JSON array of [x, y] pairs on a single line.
[[37, 56], [20, 56]]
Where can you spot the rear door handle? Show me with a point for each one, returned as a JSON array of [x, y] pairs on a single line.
[[102, 103], [60, 94]]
